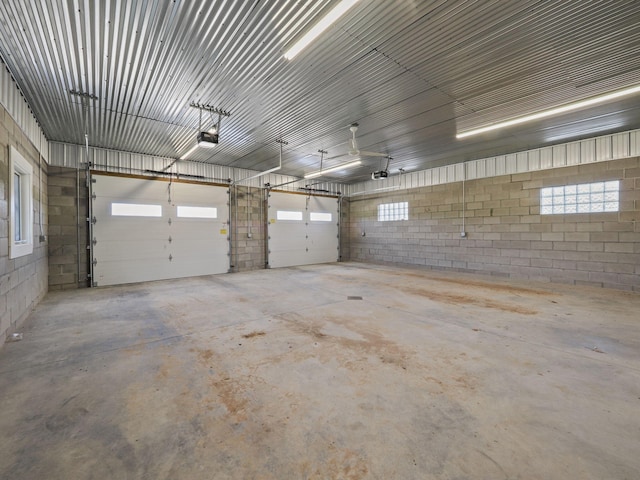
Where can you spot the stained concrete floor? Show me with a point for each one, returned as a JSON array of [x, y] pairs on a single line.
[[286, 374]]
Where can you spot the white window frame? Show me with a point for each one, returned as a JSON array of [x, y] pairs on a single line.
[[392, 212], [596, 197], [20, 166]]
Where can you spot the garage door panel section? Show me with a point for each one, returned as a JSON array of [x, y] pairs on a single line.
[[200, 224], [294, 239], [140, 236], [323, 229]]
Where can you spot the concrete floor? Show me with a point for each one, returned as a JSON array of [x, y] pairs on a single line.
[[279, 374]]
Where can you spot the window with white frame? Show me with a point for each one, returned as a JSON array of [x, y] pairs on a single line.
[[583, 198], [21, 205], [388, 212]]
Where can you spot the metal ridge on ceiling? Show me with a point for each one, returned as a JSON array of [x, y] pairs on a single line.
[[412, 74]]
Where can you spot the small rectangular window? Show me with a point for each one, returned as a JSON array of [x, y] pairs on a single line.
[[135, 210], [320, 217], [388, 212], [288, 215], [21, 205], [584, 198], [197, 212], [18, 233]]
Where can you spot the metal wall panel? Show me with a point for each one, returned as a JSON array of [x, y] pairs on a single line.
[[621, 145], [559, 153], [74, 156], [16, 105], [634, 143], [608, 147]]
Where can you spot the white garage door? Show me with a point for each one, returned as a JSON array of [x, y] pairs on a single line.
[[154, 230], [302, 229]]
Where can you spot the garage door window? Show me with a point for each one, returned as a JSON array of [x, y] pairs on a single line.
[[135, 210], [320, 217], [289, 215], [197, 212]]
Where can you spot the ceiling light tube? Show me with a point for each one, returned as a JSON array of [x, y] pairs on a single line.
[[554, 111], [333, 169], [320, 27], [365, 192], [258, 175], [193, 149]]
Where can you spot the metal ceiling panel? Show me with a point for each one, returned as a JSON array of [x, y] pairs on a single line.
[[413, 74]]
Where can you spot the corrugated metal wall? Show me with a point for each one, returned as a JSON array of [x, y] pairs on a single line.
[[598, 149], [74, 156], [14, 102]]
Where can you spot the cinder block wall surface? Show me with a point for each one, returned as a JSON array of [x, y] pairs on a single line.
[[23, 280], [248, 228], [67, 243], [506, 235], [345, 250]]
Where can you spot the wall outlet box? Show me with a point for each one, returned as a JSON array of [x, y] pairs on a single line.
[[463, 234], [43, 238], [249, 235]]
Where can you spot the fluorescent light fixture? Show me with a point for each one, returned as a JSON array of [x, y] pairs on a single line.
[[258, 175], [191, 150], [366, 192], [320, 27], [333, 169], [554, 111]]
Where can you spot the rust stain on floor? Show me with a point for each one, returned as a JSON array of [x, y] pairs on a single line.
[[475, 283], [493, 286], [452, 299], [349, 466], [374, 345], [254, 334]]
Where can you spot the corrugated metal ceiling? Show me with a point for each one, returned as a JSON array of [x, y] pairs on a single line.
[[412, 73]]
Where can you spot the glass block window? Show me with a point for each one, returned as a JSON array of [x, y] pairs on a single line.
[[584, 198], [388, 212]]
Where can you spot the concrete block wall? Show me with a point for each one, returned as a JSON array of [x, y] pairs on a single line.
[[68, 255], [23, 280], [345, 243], [506, 235], [248, 228]]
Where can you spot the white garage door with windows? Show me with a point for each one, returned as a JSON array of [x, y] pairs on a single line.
[[148, 229], [303, 229]]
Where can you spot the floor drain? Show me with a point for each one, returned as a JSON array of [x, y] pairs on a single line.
[[354, 298]]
